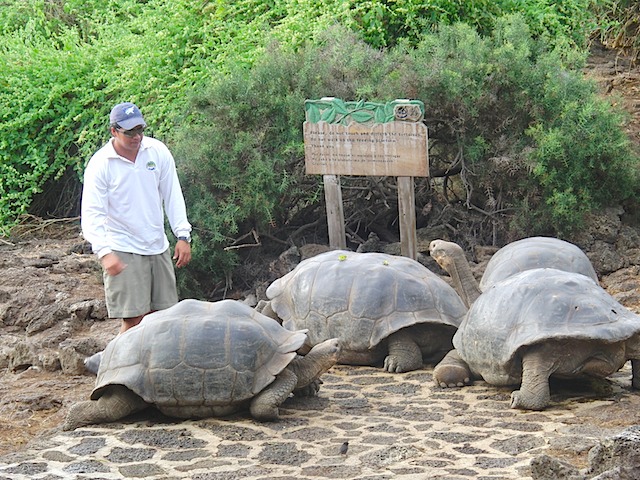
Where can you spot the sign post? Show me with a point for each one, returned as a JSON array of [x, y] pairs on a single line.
[[365, 138], [335, 213]]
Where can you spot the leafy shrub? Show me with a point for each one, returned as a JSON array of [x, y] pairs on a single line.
[[556, 22], [526, 130], [41, 116], [60, 81], [619, 25], [241, 159], [583, 159], [518, 131], [66, 63]]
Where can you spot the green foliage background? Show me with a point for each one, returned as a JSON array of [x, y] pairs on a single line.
[[223, 84]]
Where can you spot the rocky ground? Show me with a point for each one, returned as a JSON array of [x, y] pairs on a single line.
[[52, 315], [397, 425], [47, 298]]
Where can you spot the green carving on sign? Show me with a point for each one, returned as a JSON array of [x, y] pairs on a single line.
[[337, 111]]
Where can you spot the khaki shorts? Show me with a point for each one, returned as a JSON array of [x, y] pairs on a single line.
[[148, 283]]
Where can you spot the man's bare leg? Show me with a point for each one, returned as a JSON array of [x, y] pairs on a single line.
[[127, 323]]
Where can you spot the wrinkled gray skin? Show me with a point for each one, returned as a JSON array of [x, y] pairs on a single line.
[[385, 309], [199, 359], [92, 363], [538, 323]]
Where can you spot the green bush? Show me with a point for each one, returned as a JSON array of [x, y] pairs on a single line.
[[532, 133], [529, 135], [241, 159], [60, 80], [532, 145], [619, 25], [66, 63], [41, 116], [583, 159], [556, 22]]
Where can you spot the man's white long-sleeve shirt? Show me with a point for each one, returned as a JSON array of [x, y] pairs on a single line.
[[122, 201]]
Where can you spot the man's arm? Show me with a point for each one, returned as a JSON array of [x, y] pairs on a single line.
[[94, 210]]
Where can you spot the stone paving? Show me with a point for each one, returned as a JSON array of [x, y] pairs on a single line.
[[398, 426]]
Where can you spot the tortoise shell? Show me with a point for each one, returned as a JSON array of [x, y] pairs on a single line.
[[199, 353], [536, 306], [536, 252], [362, 298]]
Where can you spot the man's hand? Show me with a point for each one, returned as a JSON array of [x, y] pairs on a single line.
[[182, 254], [112, 264]]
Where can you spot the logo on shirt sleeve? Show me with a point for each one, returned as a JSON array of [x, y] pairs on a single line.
[[151, 165]]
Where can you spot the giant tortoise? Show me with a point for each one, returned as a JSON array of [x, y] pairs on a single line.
[[515, 257], [385, 309], [199, 359], [539, 323]]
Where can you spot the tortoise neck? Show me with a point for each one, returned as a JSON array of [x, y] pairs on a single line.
[[463, 279]]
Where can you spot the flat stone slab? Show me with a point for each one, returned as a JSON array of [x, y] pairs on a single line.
[[399, 426]]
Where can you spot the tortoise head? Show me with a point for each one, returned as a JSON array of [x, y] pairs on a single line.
[[445, 253]]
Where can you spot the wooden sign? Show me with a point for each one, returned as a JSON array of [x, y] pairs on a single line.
[[358, 138], [364, 138], [386, 149]]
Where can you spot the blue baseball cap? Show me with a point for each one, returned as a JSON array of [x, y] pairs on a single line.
[[127, 115]]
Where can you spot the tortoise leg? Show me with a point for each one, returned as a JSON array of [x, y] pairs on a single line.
[[264, 406], [116, 403], [635, 374], [301, 374], [404, 353], [537, 366], [452, 371], [632, 347]]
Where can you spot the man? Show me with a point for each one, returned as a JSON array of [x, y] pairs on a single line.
[[129, 184]]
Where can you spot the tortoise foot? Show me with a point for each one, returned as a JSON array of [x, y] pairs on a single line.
[[523, 401], [264, 413], [80, 415], [404, 353], [452, 371], [310, 390], [450, 376], [393, 364]]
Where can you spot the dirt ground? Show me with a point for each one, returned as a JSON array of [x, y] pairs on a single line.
[[41, 276], [44, 274]]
